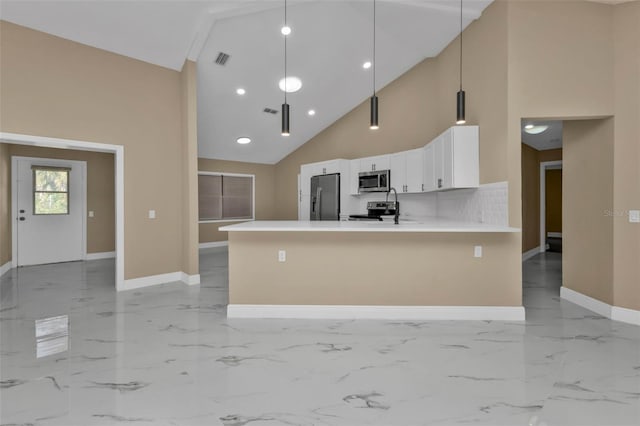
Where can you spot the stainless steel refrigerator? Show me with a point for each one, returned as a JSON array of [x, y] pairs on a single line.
[[325, 197]]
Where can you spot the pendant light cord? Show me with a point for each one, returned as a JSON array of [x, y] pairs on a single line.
[[285, 53], [460, 44], [374, 47]]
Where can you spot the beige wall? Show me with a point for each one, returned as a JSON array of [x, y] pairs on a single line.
[[265, 191], [5, 203], [530, 198], [57, 88], [553, 201], [188, 80], [626, 189], [588, 249], [530, 163], [340, 268], [101, 229]]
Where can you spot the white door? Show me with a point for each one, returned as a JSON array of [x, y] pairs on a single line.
[[49, 210]]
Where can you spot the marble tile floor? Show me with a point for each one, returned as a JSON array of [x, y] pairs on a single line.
[[168, 355]]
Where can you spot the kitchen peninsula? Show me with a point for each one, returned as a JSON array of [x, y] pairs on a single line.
[[425, 269]]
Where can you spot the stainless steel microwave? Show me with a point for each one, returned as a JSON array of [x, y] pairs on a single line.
[[376, 181]]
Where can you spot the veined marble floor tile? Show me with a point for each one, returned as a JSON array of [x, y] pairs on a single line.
[[169, 356]]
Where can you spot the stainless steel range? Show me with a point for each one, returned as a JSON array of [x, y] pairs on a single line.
[[377, 209]]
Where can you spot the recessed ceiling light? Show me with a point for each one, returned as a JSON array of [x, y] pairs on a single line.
[[290, 84], [312, 112], [366, 65], [285, 30], [535, 130], [241, 91], [243, 140], [529, 126]]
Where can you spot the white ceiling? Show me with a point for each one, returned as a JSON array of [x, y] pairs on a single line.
[[329, 43], [549, 139]]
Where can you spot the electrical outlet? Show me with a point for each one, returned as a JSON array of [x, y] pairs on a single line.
[[90, 213], [282, 256], [634, 216], [477, 251], [152, 214]]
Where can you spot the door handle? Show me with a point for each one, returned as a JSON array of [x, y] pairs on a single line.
[[439, 183], [22, 218], [21, 211]]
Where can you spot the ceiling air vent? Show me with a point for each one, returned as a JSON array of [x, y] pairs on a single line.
[[270, 111], [222, 58]]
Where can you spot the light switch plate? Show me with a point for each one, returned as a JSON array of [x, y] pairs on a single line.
[[477, 251], [152, 214], [634, 216], [282, 256], [90, 213]]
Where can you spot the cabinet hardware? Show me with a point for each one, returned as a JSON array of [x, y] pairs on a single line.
[[423, 187], [439, 183]]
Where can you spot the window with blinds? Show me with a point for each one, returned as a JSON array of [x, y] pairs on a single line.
[[225, 197]]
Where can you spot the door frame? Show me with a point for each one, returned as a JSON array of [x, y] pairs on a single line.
[[118, 151], [544, 166], [14, 201]]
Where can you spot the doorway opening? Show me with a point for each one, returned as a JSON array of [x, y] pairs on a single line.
[[118, 170]]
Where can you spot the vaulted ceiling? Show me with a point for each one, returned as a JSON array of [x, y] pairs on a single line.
[[330, 41]]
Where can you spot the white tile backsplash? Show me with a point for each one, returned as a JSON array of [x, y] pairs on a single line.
[[485, 204]]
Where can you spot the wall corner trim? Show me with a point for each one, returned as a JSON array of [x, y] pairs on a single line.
[[101, 255], [213, 244], [6, 267], [530, 253], [151, 280], [615, 313], [473, 313]]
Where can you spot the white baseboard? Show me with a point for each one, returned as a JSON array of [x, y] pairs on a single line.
[[554, 234], [213, 244], [6, 267], [498, 313], [587, 302], [530, 253], [151, 280], [629, 316], [615, 313], [190, 279], [101, 255]]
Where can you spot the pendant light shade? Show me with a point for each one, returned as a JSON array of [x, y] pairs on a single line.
[[460, 98], [285, 105], [460, 108], [373, 124], [374, 113], [285, 119]]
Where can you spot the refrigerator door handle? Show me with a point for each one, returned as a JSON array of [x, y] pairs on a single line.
[[319, 202]]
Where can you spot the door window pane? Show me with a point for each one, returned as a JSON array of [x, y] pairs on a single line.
[[50, 190]]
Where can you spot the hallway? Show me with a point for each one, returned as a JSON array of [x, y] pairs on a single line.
[[169, 356]]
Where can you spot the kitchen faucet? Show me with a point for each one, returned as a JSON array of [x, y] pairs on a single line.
[[395, 217]]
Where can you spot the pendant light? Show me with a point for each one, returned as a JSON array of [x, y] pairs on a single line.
[[374, 99], [285, 105], [460, 96]]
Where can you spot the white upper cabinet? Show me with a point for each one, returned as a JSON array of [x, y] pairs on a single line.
[[456, 159], [407, 171], [429, 168], [371, 164]]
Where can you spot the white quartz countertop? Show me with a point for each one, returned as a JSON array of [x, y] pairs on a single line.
[[435, 224]]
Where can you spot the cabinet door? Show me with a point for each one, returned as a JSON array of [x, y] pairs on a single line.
[[414, 170], [330, 167], [429, 168], [447, 159], [438, 163], [354, 171], [398, 166], [379, 162]]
